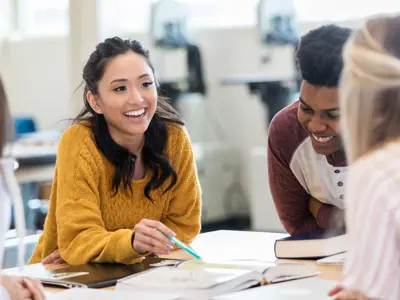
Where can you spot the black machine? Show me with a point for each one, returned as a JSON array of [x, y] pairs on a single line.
[[168, 28], [276, 31], [277, 27]]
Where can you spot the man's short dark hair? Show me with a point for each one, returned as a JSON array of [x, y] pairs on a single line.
[[319, 56]]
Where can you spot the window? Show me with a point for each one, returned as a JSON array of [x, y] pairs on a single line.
[[50, 17], [120, 17], [43, 17], [127, 16], [5, 17], [342, 10], [222, 13]]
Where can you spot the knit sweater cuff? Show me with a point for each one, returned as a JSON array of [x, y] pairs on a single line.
[[143, 254], [127, 252]]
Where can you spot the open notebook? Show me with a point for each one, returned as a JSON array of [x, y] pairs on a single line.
[[191, 284], [272, 272], [200, 280]]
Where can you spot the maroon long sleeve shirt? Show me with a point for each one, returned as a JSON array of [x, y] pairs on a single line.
[[296, 172]]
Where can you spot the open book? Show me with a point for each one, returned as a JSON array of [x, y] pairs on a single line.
[[200, 280], [272, 272], [190, 284]]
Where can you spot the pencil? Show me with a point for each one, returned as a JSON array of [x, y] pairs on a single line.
[[181, 245]]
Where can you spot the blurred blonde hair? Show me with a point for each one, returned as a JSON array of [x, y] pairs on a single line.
[[370, 87]]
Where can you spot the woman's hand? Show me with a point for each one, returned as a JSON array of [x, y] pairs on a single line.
[[340, 293], [19, 288], [148, 239], [35, 288], [54, 258]]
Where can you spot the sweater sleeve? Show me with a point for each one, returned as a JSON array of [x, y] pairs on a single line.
[[290, 198], [82, 237], [184, 210]]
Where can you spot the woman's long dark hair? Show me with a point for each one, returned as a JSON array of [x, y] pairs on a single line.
[[155, 137]]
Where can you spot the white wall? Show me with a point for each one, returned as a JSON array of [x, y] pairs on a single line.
[[36, 76]]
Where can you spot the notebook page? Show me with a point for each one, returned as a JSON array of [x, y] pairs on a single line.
[[337, 259], [94, 294], [257, 266], [176, 278]]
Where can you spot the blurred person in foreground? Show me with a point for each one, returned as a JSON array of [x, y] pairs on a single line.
[[370, 105]]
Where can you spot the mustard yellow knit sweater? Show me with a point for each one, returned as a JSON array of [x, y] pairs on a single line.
[[88, 224]]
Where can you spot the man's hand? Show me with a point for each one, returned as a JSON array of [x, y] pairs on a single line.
[[54, 258], [19, 288], [336, 219], [314, 205]]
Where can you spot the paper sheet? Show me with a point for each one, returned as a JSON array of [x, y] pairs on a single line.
[[95, 294], [337, 259]]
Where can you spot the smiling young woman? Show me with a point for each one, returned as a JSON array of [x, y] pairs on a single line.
[[125, 169], [306, 159]]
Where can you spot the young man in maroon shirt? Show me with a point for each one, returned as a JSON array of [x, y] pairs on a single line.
[[306, 159]]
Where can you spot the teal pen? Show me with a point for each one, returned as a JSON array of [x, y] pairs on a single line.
[[181, 245]]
